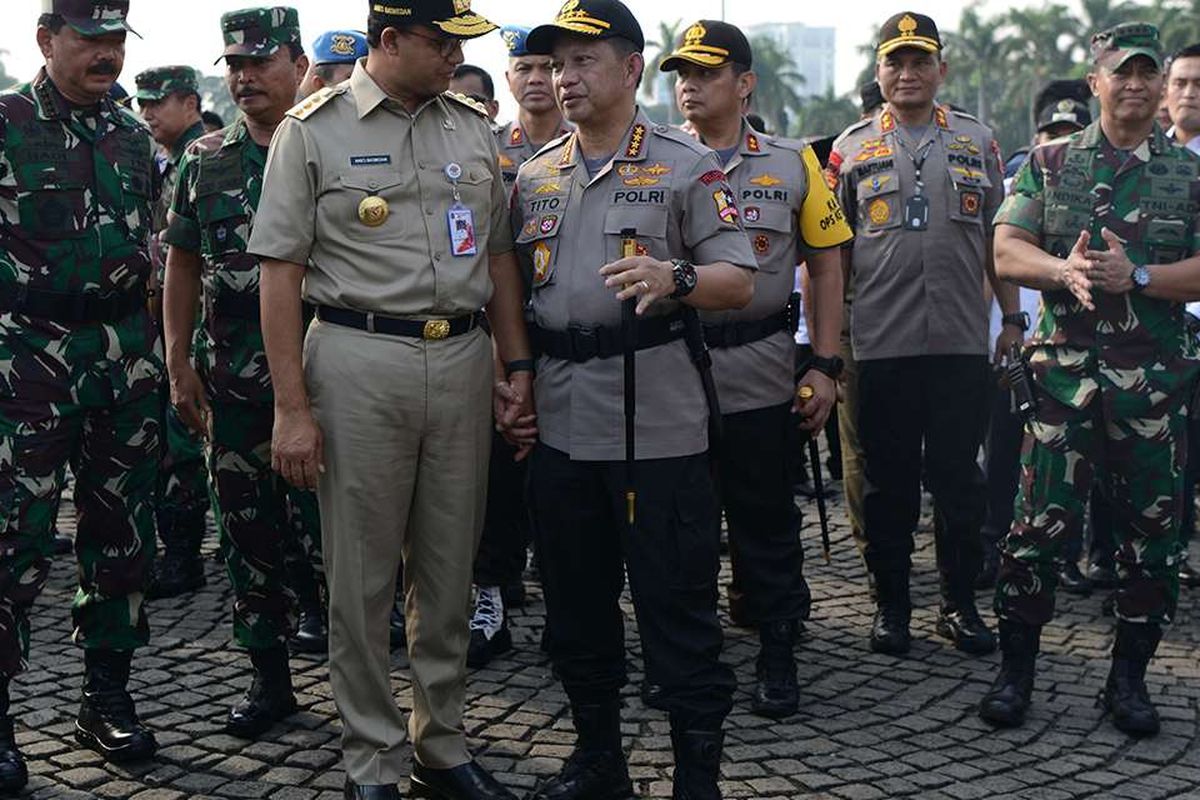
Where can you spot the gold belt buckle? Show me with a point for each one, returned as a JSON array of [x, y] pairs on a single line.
[[436, 329]]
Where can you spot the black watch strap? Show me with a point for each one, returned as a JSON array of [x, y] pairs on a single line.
[[830, 367], [1019, 319], [519, 365]]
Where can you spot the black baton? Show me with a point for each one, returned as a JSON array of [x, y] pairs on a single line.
[[814, 456], [629, 357]]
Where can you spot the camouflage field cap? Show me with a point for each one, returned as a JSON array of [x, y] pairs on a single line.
[[452, 17], [159, 82], [1115, 46], [259, 32], [92, 17]]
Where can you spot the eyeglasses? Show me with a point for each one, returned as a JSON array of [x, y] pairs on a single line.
[[446, 45]]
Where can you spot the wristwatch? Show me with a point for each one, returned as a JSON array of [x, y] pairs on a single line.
[[684, 273], [519, 365], [1019, 319], [830, 367], [1140, 277]]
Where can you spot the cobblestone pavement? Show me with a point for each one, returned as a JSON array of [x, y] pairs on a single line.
[[870, 726]]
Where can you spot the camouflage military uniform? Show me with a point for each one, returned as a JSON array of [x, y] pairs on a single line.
[[1111, 383], [182, 480], [76, 192], [220, 185]]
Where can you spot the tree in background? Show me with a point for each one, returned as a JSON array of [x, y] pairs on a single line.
[[668, 35], [6, 81], [776, 97], [214, 96]]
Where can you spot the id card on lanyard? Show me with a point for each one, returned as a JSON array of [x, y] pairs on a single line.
[[460, 220]]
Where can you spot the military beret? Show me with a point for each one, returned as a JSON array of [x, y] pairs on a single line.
[[339, 47], [514, 40]]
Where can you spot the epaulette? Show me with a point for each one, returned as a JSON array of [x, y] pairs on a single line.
[[853, 129], [309, 105], [552, 144], [681, 137], [478, 108], [785, 142]]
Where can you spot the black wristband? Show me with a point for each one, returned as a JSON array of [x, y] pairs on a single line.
[[1020, 319], [519, 365]]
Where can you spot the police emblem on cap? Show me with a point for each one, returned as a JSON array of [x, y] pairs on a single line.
[[694, 35], [462, 6], [907, 26], [342, 44], [1066, 106], [510, 37]]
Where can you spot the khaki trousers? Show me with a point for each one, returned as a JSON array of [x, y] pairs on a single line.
[[852, 455], [407, 432]]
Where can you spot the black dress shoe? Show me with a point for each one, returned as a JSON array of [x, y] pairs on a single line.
[[1072, 581], [1188, 575], [1102, 575], [365, 791], [961, 624], [465, 782], [311, 636]]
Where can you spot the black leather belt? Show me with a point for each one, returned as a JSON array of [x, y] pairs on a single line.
[[579, 343], [732, 334], [233, 306], [72, 307], [393, 326]]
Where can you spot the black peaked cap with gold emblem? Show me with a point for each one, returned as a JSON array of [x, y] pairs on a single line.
[[709, 43], [909, 29], [451, 17], [587, 19]]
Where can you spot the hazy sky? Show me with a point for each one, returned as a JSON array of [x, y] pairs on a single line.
[[188, 31]]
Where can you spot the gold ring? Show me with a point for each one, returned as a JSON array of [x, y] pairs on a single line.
[[644, 285]]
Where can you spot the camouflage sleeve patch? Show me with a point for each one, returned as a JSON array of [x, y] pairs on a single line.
[[822, 223], [1024, 205]]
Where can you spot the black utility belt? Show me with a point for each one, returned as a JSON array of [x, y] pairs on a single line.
[[732, 334], [394, 326], [579, 343], [72, 308]]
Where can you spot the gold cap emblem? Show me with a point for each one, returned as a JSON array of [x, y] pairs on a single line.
[[373, 211], [694, 35], [461, 6], [907, 25]]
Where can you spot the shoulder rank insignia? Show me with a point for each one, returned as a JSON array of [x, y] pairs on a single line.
[[516, 137], [308, 106], [887, 122], [939, 115], [752, 144], [637, 141], [468, 102]]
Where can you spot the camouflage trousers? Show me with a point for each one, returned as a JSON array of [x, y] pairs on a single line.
[[265, 523], [183, 490], [113, 452], [1139, 442]]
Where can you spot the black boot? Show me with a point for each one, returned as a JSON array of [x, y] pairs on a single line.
[[1007, 701], [959, 621], [1072, 581], [1125, 695], [108, 722], [776, 695], [269, 698], [596, 770], [697, 764], [13, 775], [180, 570], [889, 630], [312, 634]]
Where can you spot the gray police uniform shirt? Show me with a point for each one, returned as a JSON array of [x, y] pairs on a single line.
[[515, 149], [672, 190], [918, 293], [788, 212], [346, 144]]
